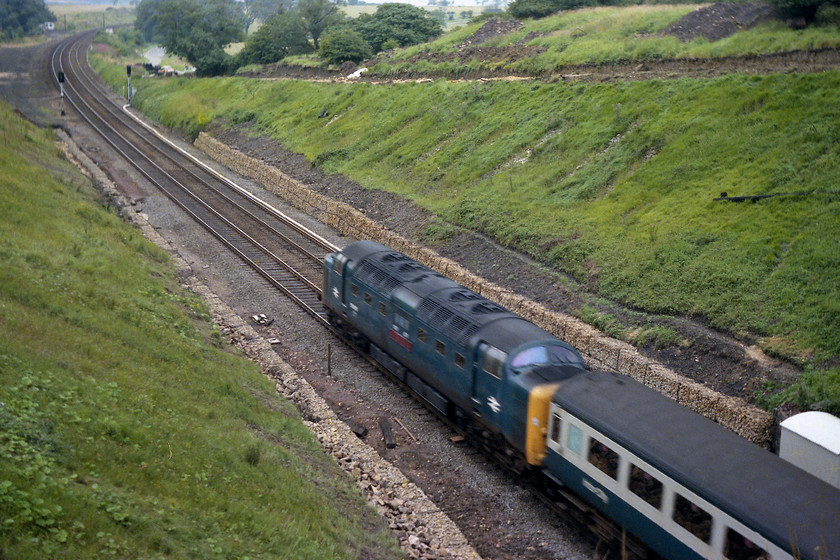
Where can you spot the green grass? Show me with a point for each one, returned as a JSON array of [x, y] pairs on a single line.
[[609, 183], [127, 429], [613, 34]]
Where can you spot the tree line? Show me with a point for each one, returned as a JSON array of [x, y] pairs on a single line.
[[199, 30], [22, 17]]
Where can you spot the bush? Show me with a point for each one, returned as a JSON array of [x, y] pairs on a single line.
[[283, 35], [342, 44], [806, 9]]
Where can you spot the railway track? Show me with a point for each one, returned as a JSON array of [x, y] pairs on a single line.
[[286, 254]]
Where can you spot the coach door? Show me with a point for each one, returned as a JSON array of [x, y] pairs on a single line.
[[487, 383]]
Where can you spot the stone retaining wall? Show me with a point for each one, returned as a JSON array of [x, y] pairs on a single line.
[[744, 419]]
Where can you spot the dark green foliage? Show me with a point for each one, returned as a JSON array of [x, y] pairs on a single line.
[[22, 17], [148, 16], [281, 36], [196, 31], [343, 44], [806, 9], [522, 9], [264, 10], [318, 16], [401, 23]]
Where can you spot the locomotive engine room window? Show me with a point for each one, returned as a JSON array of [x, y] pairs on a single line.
[[422, 335], [382, 309], [368, 299], [645, 486], [492, 361], [440, 347], [401, 321], [603, 457], [354, 289], [738, 547], [574, 441], [555, 428], [459, 360], [693, 518]]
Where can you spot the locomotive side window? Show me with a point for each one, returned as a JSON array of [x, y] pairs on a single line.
[[693, 518], [555, 428], [422, 335], [738, 547], [368, 299], [603, 457], [645, 486], [382, 309], [492, 361], [459, 360], [440, 347], [354, 289]]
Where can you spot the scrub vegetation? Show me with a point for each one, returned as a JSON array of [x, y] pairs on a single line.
[[611, 183], [127, 428]]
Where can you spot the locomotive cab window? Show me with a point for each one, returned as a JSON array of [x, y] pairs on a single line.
[[603, 457], [354, 289], [562, 355], [422, 335], [382, 309], [440, 347], [693, 518], [368, 299], [738, 547], [529, 357], [646, 486]]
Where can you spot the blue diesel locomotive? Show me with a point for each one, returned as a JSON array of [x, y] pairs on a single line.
[[680, 483]]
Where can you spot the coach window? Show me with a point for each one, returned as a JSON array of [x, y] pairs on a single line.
[[739, 547], [645, 486], [440, 347], [555, 428], [459, 360], [603, 457], [354, 289], [382, 309], [574, 441], [693, 518], [368, 299], [422, 335]]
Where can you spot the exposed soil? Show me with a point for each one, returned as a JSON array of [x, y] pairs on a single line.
[[714, 22]]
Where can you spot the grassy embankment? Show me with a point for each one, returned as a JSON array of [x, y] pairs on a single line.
[[127, 429], [609, 183], [606, 35]]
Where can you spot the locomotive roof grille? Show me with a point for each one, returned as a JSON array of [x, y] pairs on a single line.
[[376, 277]]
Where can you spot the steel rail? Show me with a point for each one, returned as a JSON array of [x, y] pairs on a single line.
[[305, 293]]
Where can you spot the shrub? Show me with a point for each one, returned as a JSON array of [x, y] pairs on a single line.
[[342, 44]]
